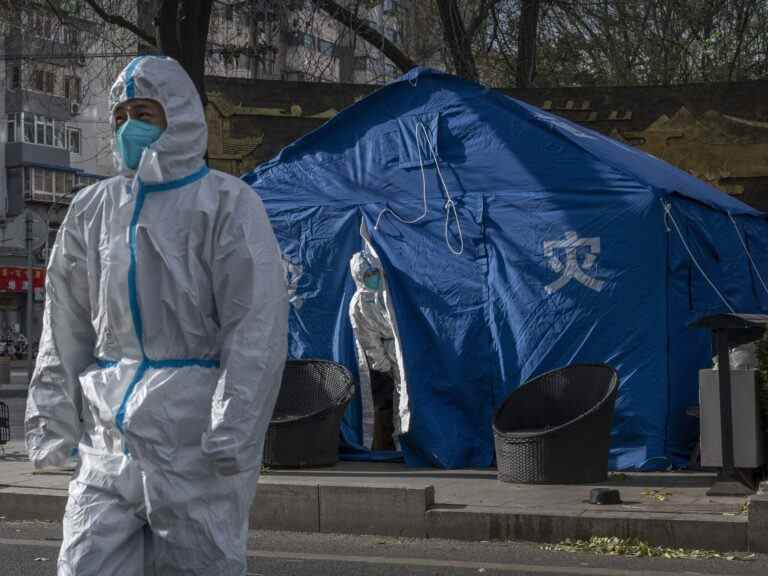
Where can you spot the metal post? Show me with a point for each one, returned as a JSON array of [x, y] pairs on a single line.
[[730, 481], [30, 365]]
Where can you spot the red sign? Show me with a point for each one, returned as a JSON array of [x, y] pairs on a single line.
[[14, 279]]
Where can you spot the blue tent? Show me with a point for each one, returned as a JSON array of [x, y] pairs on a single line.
[[533, 243]]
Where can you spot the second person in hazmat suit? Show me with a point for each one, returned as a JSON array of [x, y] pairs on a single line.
[[163, 346], [375, 338]]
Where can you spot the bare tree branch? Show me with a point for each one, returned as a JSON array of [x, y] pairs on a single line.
[[56, 11], [483, 11], [746, 16], [121, 22], [369, 34]]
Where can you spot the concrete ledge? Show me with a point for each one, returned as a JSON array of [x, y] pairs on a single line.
[[32, 504], [380, 510], [396, 510], [13, 390], [724, 533], [289, 507], [758, 521]]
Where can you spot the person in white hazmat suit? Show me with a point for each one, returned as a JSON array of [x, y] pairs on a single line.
[[163, 346], [375, 338]]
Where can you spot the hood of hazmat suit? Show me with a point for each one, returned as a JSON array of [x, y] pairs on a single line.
[[163, 346]]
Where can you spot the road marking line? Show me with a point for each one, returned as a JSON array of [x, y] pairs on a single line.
[[509, 568], [424, 562], [24, 542]]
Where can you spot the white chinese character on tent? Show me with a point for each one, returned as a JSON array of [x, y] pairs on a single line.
[[571, 269]]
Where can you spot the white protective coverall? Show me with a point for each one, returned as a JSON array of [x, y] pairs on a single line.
[[163, 346], [374, 337]]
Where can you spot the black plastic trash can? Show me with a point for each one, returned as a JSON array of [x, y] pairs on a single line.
[[556, 428], [304, 430]]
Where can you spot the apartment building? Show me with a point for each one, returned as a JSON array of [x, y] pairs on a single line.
[[294, 40], [47, 151]]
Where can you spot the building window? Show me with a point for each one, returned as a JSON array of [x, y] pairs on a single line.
[[59, 135], [29, 128], [38, 180], [72, 88], [38, 79], [50, 82], [39, 129], [16, 77], [325, 47], [48, 178], [11, 132], [73, 137], [61, 182], [44, 80], [44, 184], [49, 132]]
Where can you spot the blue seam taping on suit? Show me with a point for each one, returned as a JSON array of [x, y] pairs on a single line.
[[136, 378], [133, 294], [130, 86], [173, 184]]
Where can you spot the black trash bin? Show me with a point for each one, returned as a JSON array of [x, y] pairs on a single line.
[[556, 427], [304, 430]]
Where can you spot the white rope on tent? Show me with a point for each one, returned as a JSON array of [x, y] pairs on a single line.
[[450, 205], [746, 250], [423, 192], [668, 210]]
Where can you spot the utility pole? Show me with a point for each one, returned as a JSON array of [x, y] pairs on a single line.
[[29, 295]]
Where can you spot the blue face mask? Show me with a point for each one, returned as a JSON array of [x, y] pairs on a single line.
[[373, 282], [133, 137]]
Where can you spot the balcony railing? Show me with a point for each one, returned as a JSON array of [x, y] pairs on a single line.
[[48, 197]]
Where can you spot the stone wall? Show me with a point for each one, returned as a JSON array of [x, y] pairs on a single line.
[[718, 132]]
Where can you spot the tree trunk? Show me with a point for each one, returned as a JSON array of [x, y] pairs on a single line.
[[526, 42], [458, 41], [182, 33]]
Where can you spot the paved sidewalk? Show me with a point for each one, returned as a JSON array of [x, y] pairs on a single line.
[[389, 499]]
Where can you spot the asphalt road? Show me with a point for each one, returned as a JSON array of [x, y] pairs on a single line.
[[30, 549]]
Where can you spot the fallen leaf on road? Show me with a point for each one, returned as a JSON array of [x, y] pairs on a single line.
[[634, 547], [658, 495]]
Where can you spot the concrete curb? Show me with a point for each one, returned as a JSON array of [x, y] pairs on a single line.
[[377, 510], [408, 511], [32, 504], [13, 391], [758, 520], [723, 533]]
